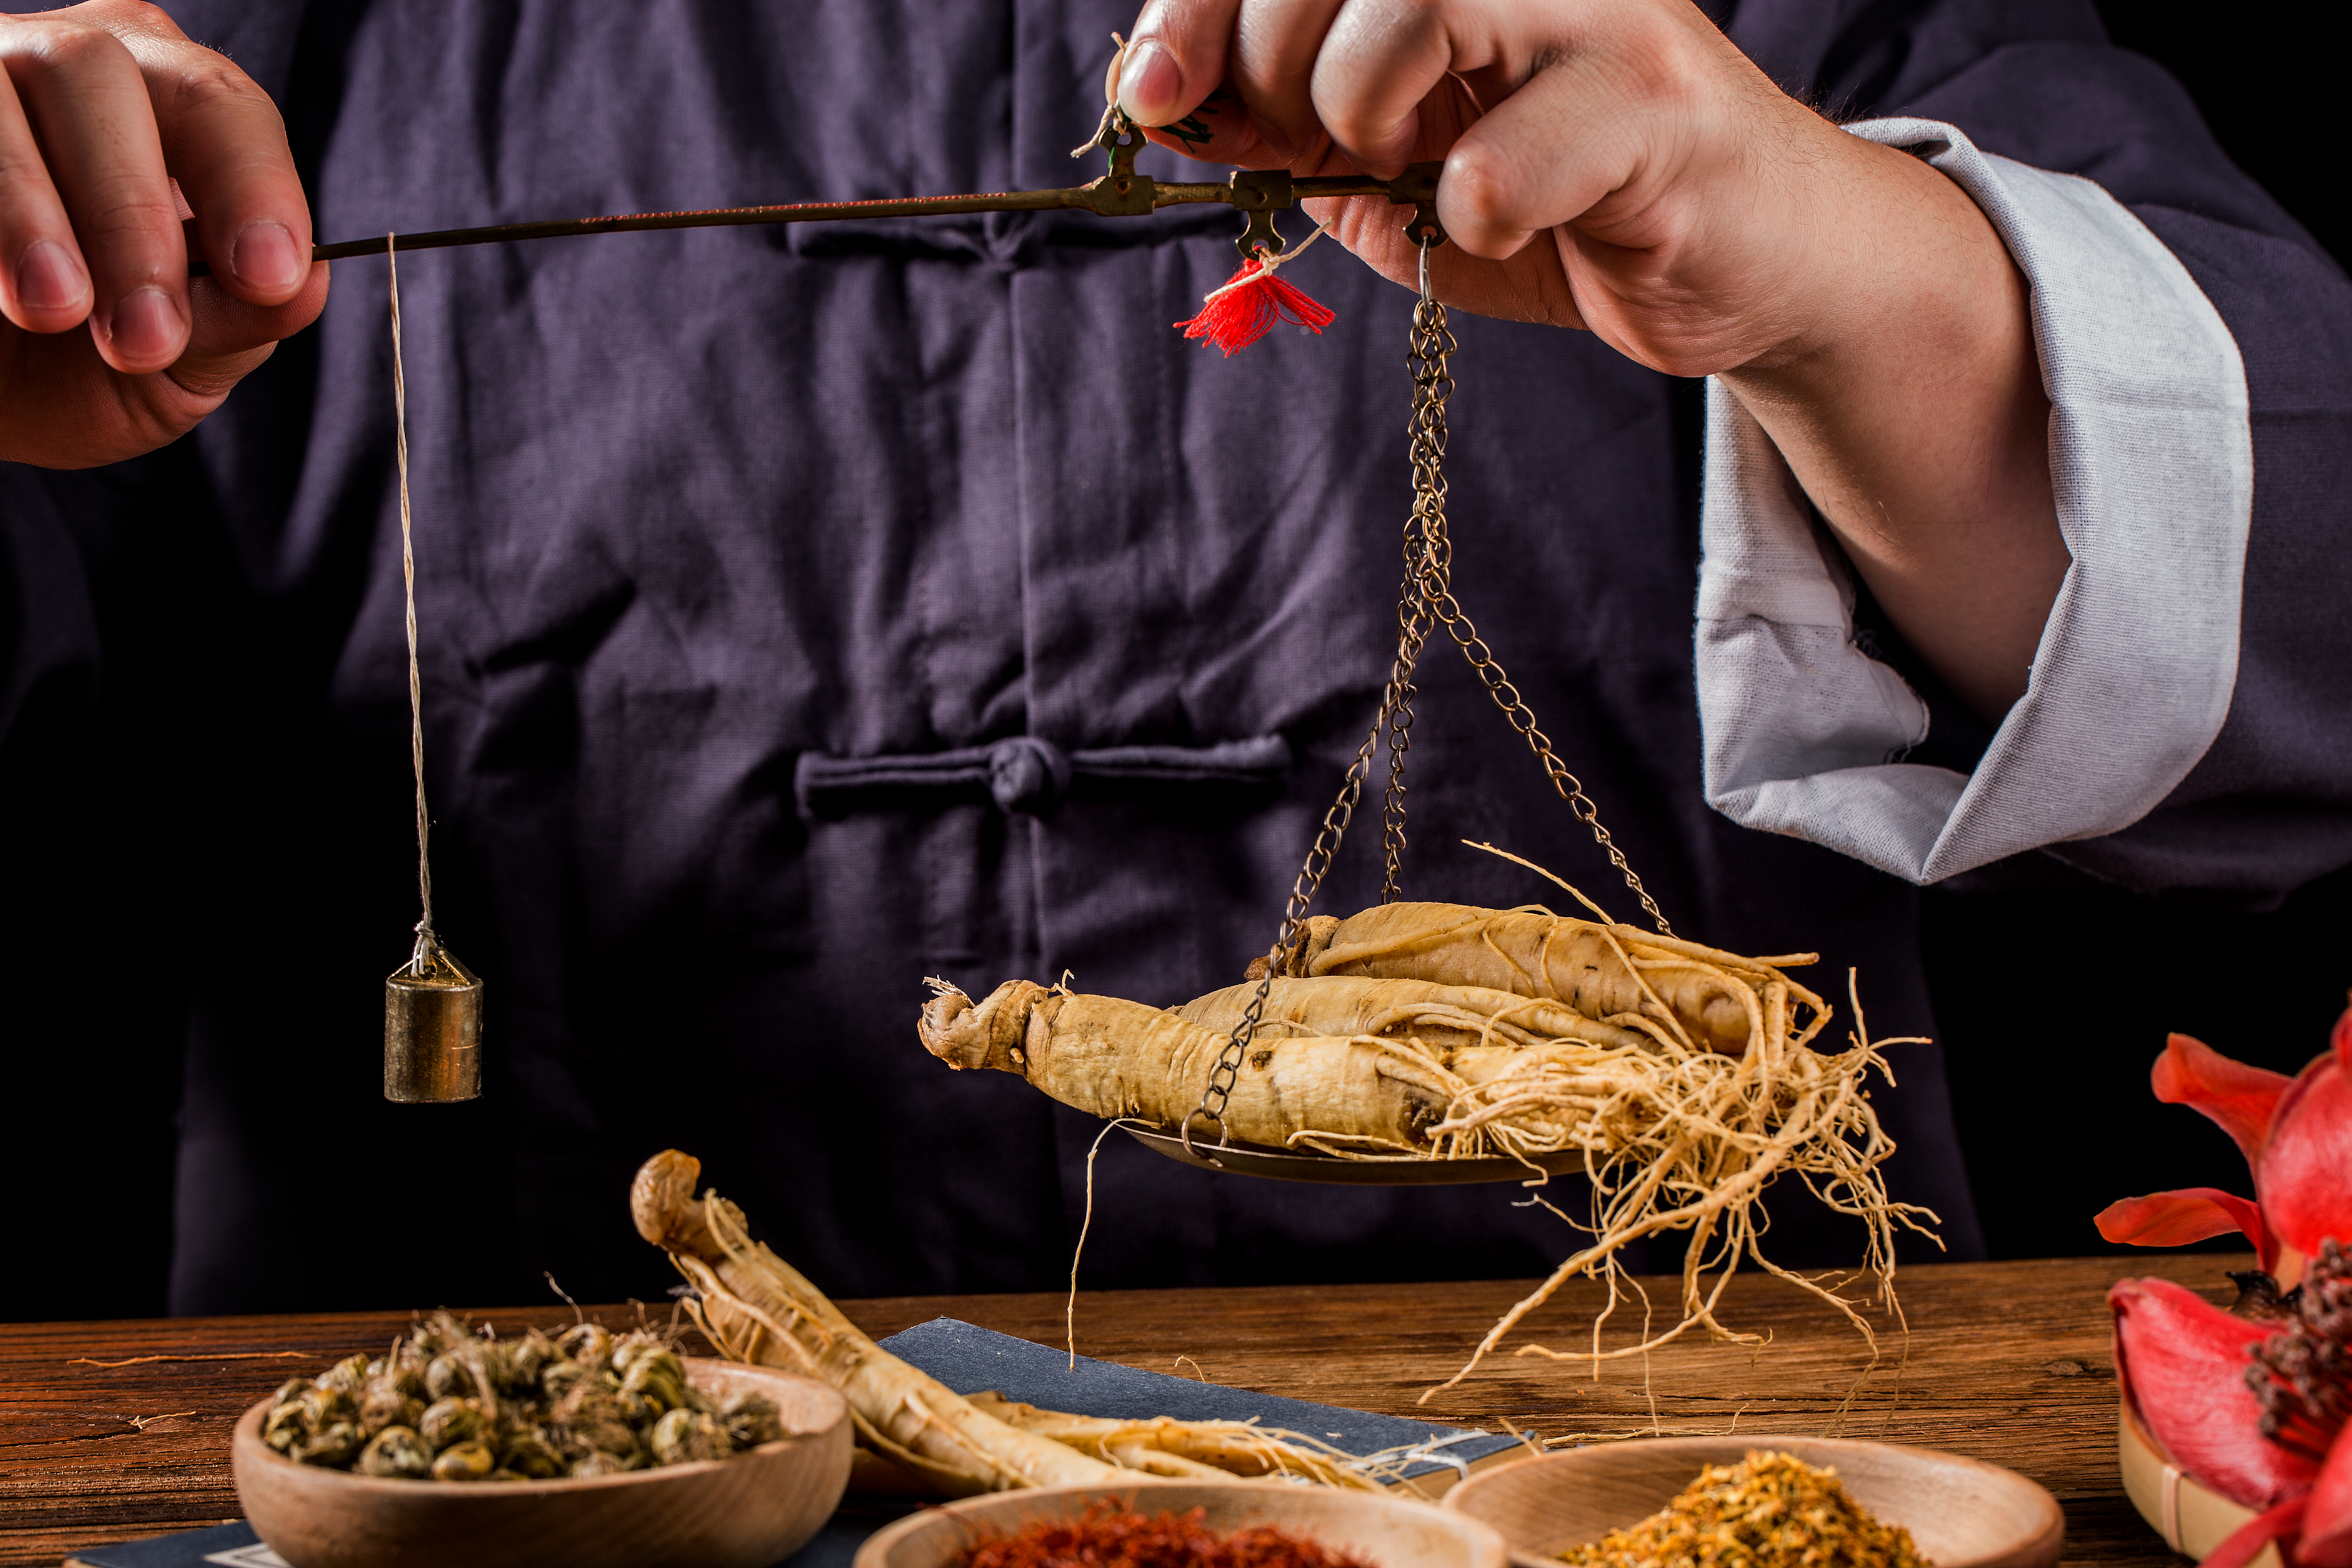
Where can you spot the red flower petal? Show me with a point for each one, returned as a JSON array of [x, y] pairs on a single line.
[[2182, 1361], [2177, 1218], [2240, 1544], [2304, 1179], [2239, 1099], [2328, 1528]]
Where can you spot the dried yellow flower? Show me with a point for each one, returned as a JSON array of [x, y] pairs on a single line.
[[1771, 1510]]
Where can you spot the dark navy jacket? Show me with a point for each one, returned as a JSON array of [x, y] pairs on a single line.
[[702, 517]]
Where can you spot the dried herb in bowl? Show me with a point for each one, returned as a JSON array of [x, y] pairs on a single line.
[[1109, 1536], [1771, 1510], [448, 1404]]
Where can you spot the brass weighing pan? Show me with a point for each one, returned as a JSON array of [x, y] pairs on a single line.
[[1276, 1165]]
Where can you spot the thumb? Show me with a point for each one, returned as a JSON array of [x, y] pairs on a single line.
[[229, 337]]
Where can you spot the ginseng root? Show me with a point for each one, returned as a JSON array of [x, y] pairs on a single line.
[[1685, 1079], [1444, 1016], [1115, 1059], [755, 1307], [1708, 999]]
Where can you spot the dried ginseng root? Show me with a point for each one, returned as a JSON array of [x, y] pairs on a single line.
[[1450, 1018], [1701, 998], [1115, 1059], [1685, 1080], [755, 1307]]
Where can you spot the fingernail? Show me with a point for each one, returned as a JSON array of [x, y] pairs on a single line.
[[264, 255], [47, 278], [146, 325], [1149, 83]]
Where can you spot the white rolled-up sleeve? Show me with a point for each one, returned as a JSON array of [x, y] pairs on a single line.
[[2151, 463]]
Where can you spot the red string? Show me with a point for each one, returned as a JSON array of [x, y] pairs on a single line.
[[1247, 308]]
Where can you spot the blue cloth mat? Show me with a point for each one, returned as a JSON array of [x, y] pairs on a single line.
[[970, 1360]]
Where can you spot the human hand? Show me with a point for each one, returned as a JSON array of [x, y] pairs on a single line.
[[1619, 165], [102, 106], [1689, 212]]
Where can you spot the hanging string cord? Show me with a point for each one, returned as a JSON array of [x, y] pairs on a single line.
[[1267, 262], [420, 961]]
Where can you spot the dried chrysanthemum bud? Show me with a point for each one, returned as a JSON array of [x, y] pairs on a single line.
[[591, 1344], [292, 1389], [750, 1419], [683, 1436], [658, 1376], [589, 1419], [559, 1378], [465, 1462], [396, 1451], [599, 1464], [531, 1456], [448, 1378], [448, 1421], [323, 1406], [439, 1334], [333, 1447], [348, 1376], [530, 1356], [287, 1427], [384, 1404]]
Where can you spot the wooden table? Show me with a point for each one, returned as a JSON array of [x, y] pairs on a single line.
[[2007, 1361]]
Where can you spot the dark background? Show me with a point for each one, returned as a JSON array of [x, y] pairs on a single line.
[[2038, 994]]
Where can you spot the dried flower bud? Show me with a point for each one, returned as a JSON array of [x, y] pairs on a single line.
[[683, 1436], [531, 1456], [286, 1426], [591, 1344], [465, 1462], [750, 1419], [348, 1376], [384, 1404], [396, 1451], [333, 1447], [448, 1378], [449, 1421]]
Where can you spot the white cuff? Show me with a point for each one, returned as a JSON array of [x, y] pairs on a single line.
[[2151, 460]]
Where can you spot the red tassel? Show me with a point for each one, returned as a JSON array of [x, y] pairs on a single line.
[[1248, 306]]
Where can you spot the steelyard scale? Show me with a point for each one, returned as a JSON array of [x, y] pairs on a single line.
[[433, 1004]]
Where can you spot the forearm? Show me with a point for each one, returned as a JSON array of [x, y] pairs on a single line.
[[1909, 401]]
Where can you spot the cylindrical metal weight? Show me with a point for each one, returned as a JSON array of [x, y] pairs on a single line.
[[433, 1032]]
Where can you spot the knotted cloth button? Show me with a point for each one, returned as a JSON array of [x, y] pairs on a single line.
[[1027, 773]]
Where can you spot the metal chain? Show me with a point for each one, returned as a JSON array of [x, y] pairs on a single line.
[[1222, 1076], [1425, 599], [1432, 343]]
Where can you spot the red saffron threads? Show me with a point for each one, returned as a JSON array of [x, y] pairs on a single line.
[[1247, 308], [1108, 1535]]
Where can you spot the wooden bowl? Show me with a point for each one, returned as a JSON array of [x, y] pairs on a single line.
[[2192, 1517], [747, 1511], [1383, 1531], [1961, 1513]]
